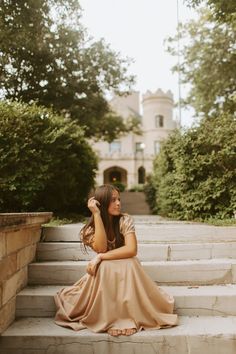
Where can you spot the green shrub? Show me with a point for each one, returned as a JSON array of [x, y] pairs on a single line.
[[119, 185], [150, 193], [45, 162], [137, 188], [195, 173]]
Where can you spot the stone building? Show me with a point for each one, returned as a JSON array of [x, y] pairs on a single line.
[[130, 158]]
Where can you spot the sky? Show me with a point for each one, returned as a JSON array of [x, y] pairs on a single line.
[[137, 29]]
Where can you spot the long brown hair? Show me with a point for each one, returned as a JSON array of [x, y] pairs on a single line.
[[104, 195]]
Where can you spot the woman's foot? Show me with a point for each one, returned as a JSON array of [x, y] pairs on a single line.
[[114, 332], [130, 331], [125, 332]]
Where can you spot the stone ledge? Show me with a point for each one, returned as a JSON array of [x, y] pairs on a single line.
[[156, 233], [214, 300], [193, 335], [14, 220], [199, 272], [68, 251]]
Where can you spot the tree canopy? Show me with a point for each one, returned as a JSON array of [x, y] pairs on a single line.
[[47, 56], [195, 173], [223, 10], [208, 63]]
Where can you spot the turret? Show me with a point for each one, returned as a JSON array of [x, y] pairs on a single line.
[[158, 110]]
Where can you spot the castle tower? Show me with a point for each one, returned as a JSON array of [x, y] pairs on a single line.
[[129, 158], [157, 119]]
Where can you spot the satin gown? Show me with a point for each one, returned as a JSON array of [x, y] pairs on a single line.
[[120, 296]]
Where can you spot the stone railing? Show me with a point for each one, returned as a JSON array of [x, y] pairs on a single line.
[[19, 234]]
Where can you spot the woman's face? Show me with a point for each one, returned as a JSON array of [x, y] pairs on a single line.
[[114, 206]]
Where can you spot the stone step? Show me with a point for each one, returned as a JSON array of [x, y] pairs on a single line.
[[155, 233], [214, 300], [196, 272], [157, 219], [135, 203], [66, 251], [205, 334]]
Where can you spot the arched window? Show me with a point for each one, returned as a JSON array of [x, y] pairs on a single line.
[[115, 174], [159, 120], [141, 175]]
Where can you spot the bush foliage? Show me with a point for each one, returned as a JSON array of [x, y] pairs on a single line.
[[119, 185], [45, 161], [195, 173]]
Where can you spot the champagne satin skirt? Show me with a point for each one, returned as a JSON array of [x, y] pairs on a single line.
[[121, 295]]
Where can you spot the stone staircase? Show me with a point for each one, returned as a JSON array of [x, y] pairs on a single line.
[[194, 262], [135, 203]]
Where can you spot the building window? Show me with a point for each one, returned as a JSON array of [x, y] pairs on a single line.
[[139, 147], [159, 119], [115, 146], [157, 147], [141, 175]]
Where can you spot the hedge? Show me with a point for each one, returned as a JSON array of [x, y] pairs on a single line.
[[194, 175], [45, 161]]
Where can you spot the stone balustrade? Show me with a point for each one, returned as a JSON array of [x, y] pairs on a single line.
[[19, 235]]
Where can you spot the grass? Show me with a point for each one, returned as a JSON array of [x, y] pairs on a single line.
[[221, 222], [215, 221], [210, 221], [63, 219]]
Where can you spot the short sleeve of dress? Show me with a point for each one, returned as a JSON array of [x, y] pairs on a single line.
[[126, 225], [87, 236]]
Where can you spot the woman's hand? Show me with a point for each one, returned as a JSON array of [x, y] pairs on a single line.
[[93, 205], [93, 264]]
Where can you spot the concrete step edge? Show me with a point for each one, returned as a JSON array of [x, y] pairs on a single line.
[[212, 300], [197, 272], [177, 290], [146, 252], [188, 325], [214, 261], [155, 233]]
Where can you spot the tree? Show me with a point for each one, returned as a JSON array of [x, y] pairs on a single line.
[[45, 161], [195, 173], [223, 10], [208, 64], [46, 56]]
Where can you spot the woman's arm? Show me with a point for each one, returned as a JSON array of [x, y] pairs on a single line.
[[127, 251], [100, 238], [99, 243]]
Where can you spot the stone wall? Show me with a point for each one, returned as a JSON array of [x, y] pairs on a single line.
[[19, 234]]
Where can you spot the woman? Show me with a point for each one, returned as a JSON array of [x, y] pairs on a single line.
[[116, 295]]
